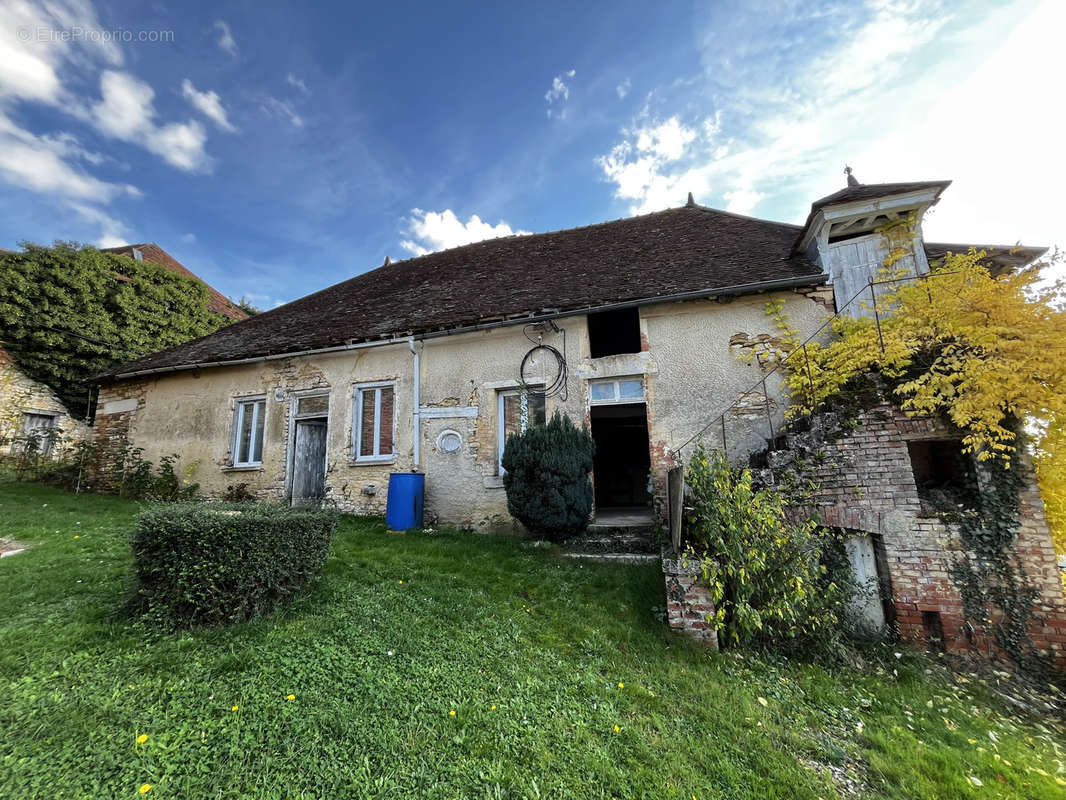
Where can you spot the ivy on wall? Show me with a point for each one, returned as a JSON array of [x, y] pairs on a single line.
[[69, 312]]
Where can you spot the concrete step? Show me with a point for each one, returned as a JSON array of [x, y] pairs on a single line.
[[623, 540], [614, 558]]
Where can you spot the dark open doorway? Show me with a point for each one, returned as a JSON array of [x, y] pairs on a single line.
[[623, 461]]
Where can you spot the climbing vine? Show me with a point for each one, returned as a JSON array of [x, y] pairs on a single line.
[[985, 352], [70, 312]]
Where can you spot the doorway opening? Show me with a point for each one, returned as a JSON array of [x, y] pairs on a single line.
[[623, 460]]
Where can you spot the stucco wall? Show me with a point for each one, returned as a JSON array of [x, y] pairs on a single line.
[[20, 394], [692, 374]]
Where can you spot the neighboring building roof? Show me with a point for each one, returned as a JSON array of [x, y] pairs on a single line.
[[217, 302], [998, 258], [689, 250]]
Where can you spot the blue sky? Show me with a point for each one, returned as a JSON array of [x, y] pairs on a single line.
[[276, 149]]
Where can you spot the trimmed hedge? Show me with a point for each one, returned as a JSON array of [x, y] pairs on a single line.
[[211, 563]]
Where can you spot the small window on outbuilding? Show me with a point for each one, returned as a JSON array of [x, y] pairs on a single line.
[[612, 333], [941, 470]]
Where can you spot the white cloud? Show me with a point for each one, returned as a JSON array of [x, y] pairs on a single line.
[[292, 80], [225, 38], [39, 163], [31, 60], [188, 238], [112, 231], [281, 108], [126, 111], [641, 166], [623, 89], [974, 108], [440, 230], [207, 103], [558, 94]]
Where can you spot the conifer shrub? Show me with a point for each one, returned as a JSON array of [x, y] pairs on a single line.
[[213, 563], [547, 478]]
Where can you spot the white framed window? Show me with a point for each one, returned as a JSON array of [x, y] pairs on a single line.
[[616, 390], [374, 421], [517, 410], [249, 421]]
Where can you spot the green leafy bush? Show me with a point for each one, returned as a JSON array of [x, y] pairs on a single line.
[[69, 312], [210, 563], [766, 574], [547, 478]]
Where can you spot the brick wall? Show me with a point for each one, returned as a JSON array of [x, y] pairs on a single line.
[[688, 601], [866, 484]]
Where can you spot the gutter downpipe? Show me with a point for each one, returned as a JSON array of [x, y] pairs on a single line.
[[725, 291], [416, 415]]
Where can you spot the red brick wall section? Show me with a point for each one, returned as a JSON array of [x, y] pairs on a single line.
[[688, 602], [113, 430], [866, 484]]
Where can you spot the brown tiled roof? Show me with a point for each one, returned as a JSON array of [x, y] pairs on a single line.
[[217, 302], [998, 257], [691, 249], [868, 191]]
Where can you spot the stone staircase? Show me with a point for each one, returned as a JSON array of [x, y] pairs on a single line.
[[617, 536]]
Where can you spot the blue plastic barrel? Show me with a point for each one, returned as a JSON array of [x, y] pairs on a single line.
[[403, 508]]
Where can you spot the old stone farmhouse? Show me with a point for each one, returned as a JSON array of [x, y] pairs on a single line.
[[632, 326]]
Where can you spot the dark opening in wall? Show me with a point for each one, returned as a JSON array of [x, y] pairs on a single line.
[[933, 628], [614, 332], [941, 470]]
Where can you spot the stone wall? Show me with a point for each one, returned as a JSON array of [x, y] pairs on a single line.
[[688, 370], [866, 483], [20, 394]]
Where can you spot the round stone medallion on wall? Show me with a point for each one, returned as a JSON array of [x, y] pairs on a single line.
[[449, 441]]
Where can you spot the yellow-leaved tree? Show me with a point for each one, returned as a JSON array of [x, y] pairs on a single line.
[[988, 351]]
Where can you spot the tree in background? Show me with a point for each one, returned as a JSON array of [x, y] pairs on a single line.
[[547, 478], [69, 312]]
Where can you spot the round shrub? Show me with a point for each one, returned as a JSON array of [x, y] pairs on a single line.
[[547, 478], [211, 563]]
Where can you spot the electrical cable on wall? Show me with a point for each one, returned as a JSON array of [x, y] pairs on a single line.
[[544, 372]]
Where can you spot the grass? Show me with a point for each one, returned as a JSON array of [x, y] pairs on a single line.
[[452, 665]]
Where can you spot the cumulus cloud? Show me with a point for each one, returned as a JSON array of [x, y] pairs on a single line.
[[643, 165], [558, 94], [207, 103], [30, 69], [226, 41], [49, 67], [440, 230], [44, 164], [126, 111]]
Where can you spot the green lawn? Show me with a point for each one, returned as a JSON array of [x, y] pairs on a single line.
[[452, 665]]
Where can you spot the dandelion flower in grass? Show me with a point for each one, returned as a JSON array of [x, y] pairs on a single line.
[[401, 581], [235, 708], [290, 697], [451, 713], [621, 685], [617, 729], [142, 738], [144, 788], [493, 708]]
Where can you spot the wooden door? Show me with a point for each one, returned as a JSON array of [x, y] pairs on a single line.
[[309, 462]]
